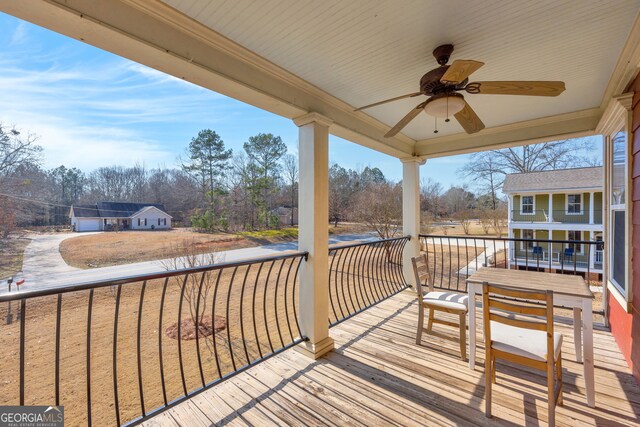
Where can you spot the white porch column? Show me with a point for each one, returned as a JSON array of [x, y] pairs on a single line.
[[591, 207], [313, 233], [592, 249], [411, 213], [511, 251], [510, 209], [550, 207]]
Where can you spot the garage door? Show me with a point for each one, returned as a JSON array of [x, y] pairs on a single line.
[[88, 224]]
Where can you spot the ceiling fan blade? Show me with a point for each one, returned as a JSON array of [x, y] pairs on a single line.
[[405, 120], [469, 119], [531, 88], [409, 95], [459, 70]]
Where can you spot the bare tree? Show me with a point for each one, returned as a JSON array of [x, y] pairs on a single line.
[[16, 150], [290, 163], [380, 207], [490, 167], [431, 195], [486, 220], [195, 287], [464, 218]]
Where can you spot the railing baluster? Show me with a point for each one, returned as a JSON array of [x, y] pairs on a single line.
[[442, 264], [214, 338], [350, 280], [184, 286], [116, 398], [253, 310], [197, 326], [89, 311], [345, 266], [264, 305], [286, 305], [295, 285], [57, 371], [229, 342], [244, 341], [275, 298], [332, 284], [373, 288], [23, 310], [360, 278], [139, 349], [160, 331], [458, 264], [364, 271]]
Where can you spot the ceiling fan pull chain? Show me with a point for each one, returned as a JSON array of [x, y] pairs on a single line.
[[436, 119], [447, 119]]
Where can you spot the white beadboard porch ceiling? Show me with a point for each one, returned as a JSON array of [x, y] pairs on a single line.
[[362, 51]]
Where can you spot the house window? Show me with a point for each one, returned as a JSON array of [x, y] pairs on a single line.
[[138, 222], [574, 236], [159, 221], [526, 205], [528, 245], [618, 216], [105, 222], [145, 222], [574, 203], [164, 220]]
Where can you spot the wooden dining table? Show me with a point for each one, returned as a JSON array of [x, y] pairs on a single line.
[[569, 291]]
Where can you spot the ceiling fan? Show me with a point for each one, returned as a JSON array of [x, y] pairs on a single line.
[[442, 85]]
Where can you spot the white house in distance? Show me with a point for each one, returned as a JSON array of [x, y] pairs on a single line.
[[563, 204], [109, 216]]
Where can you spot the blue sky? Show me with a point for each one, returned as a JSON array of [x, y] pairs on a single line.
[[91, 108]]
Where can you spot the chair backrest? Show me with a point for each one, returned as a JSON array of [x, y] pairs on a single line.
[[537, 250], [501, 304], [422, 274], [568, 252]]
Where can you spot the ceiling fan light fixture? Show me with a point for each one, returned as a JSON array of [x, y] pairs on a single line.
[[444, 105]]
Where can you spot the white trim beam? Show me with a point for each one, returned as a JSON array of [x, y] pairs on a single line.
[[563, 126]]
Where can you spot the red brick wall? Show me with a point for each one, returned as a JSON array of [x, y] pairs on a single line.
[[625, 327]]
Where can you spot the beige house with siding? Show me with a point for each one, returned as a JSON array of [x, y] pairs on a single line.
[[556, 205]]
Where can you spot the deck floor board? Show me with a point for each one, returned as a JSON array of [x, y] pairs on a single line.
[[378, 376]]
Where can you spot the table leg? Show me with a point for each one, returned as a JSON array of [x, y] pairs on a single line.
[[587, 320], [472, 326], [577, 332]]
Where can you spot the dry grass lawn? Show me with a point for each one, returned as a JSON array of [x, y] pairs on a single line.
[[117, 248]]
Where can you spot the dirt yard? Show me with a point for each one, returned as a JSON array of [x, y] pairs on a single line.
[[117, 248], [258, 303], [11, 253]]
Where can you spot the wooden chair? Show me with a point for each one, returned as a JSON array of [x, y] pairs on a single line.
[[449, 302], [523, 340]]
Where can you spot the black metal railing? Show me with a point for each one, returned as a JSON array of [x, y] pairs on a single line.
[[363, 274], [122, 350], [557, 215], [452, 259]]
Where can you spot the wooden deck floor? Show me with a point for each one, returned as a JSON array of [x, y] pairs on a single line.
[[378, 376]]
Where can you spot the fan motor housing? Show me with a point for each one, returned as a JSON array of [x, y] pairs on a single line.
[[430, 83]]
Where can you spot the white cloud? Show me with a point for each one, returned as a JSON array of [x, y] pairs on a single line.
[[68, 142]]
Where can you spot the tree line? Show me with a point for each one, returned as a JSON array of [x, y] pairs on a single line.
[[217, 189]]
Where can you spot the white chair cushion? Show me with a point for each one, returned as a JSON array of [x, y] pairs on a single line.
[[449, 300], [523, 342]]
